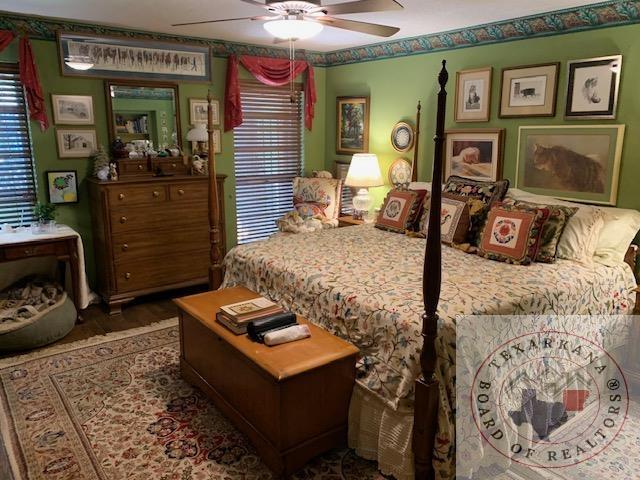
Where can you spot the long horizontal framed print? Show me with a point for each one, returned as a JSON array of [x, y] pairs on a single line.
[[529, 91], [592, 88], [76, 143], [573, 163], [62, 186], [474, 153], [128, 58], [473, 95], [72, 109]]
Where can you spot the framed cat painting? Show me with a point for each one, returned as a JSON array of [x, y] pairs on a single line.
[[572, 163], [592, 88]]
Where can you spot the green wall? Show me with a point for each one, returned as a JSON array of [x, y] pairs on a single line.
[[396, 85], [78, 215]]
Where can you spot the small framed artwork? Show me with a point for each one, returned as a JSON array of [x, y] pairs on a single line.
[[592, 88], [62, 186], [72, 109], [473, 95], [475, 154], [352, 125], [198, 111], [573, 163], [76, 143], [529, 91], [402, 137]]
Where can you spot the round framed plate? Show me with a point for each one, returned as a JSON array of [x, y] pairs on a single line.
[[400, 172], [402, 137]]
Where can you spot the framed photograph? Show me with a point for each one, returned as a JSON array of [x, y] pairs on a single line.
[[62, 186], [475, 154], [129, 58], [76, 143], [592, 88], [529, 91], [198, 111], [72, 109], [473, 95], [573, 163], [352, 125]]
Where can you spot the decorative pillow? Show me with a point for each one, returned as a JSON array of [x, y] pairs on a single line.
[[310, 209], [620, 228], [512, 234], [399, 210], [454, 219], [551, 230], [486, 192], [324, 191]]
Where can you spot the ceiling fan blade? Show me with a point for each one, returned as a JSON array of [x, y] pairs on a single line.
[[361, 6], [263, 17], [362, 27]]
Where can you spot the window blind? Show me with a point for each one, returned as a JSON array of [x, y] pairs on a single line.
[[17, 182], [268, 153]]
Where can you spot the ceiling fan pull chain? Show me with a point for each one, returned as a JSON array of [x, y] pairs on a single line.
[[292, 54]]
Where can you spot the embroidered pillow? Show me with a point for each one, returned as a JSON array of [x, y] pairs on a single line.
[[512, 234], [310, 209], [399, 210], [323, 191], [454, 219], [486, 192], [551, 230]]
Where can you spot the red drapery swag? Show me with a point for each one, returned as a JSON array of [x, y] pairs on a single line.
[[28, 77], [270, 71]]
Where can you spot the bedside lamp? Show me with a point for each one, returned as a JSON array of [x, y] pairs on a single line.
[[200, 135], [364, 172]]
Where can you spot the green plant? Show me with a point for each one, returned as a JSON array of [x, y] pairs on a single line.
[[44, 212]]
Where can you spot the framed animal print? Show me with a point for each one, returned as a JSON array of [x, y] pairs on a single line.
[[62, 186], [529, 91], [72, 109], [473, 95], [572, 163], [475, 154], [352, 125], [592, 88]]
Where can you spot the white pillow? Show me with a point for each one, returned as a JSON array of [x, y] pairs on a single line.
[[620, 228], [420, 186]]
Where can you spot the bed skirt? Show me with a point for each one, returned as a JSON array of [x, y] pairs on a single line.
[[377, 432]]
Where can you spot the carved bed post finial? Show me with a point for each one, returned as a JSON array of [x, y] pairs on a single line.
[[416, 146], [215, 260]]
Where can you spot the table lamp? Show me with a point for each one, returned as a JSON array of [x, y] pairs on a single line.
[[200, 135], [364, 172]]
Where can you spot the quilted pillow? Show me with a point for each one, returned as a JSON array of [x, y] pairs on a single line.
[[486, 192], [512, 234], [310, 209], [323, 191], [399, 210], [551, 230], [454, 219]]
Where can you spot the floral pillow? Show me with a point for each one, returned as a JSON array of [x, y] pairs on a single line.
[[319, 191], [512, 234], [310, 209], [454, 219], [399, 210]]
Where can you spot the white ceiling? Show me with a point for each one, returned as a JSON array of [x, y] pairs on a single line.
[[419, 17]]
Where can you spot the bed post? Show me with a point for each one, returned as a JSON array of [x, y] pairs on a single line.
[[215, 266], [416, 145], [425, 421]]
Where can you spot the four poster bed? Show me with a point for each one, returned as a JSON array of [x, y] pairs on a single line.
[[362, 284]]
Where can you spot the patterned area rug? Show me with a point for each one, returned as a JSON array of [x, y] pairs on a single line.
[[115, 407]]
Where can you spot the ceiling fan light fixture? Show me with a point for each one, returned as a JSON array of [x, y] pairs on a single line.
[[293, 29]]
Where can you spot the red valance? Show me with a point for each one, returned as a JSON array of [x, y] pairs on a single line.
[[28, 77], [270, 71]]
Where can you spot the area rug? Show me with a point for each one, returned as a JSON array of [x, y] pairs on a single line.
[[114, 407]]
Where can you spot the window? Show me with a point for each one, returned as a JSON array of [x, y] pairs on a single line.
[[268, 152], [17, 183]]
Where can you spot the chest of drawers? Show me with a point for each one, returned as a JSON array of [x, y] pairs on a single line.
[[151, 234]]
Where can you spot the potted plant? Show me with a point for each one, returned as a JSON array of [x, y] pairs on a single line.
[[45, 214]]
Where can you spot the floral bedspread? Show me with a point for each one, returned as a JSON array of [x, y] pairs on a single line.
[[365, 285]]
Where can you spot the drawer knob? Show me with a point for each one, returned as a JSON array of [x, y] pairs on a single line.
[[156, 193], [180, 192], [173, 165], [140, 166], [127, 275], [123, 219], [125, 247], [121, 196], [28, 251]]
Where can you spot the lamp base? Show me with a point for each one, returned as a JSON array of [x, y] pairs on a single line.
[[361, 205]]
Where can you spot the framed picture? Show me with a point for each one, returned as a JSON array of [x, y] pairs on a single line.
[[473, 95], [475, 154], [62, 186], [592, 88], [352, 125], [72, 109], [76, 143], [574, 163], [402, 137], [129, 58], [529, 91], [198, 111]]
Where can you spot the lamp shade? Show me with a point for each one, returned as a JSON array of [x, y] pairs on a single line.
[[198, 133], [364, 171]]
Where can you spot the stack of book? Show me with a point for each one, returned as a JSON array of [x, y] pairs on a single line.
[[237, 316]]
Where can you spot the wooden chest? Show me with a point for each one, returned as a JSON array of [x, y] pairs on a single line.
[[291, 400], [151, 234]]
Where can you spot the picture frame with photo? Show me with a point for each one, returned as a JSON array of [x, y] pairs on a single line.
[[62, 186], [198, 111], [592, 88], [474, 153], [580, 163], [76, 143], [352, 125], [72, 109], [473, 95], [529, 90]]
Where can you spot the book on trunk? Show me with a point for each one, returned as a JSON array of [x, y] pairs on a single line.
[[250, 309]]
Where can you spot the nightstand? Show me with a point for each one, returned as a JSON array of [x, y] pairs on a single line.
[[348, 221]]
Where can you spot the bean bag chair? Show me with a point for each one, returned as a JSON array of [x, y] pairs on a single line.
[[34, 312]]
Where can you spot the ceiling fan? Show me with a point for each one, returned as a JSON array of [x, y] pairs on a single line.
[[298, 19]]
